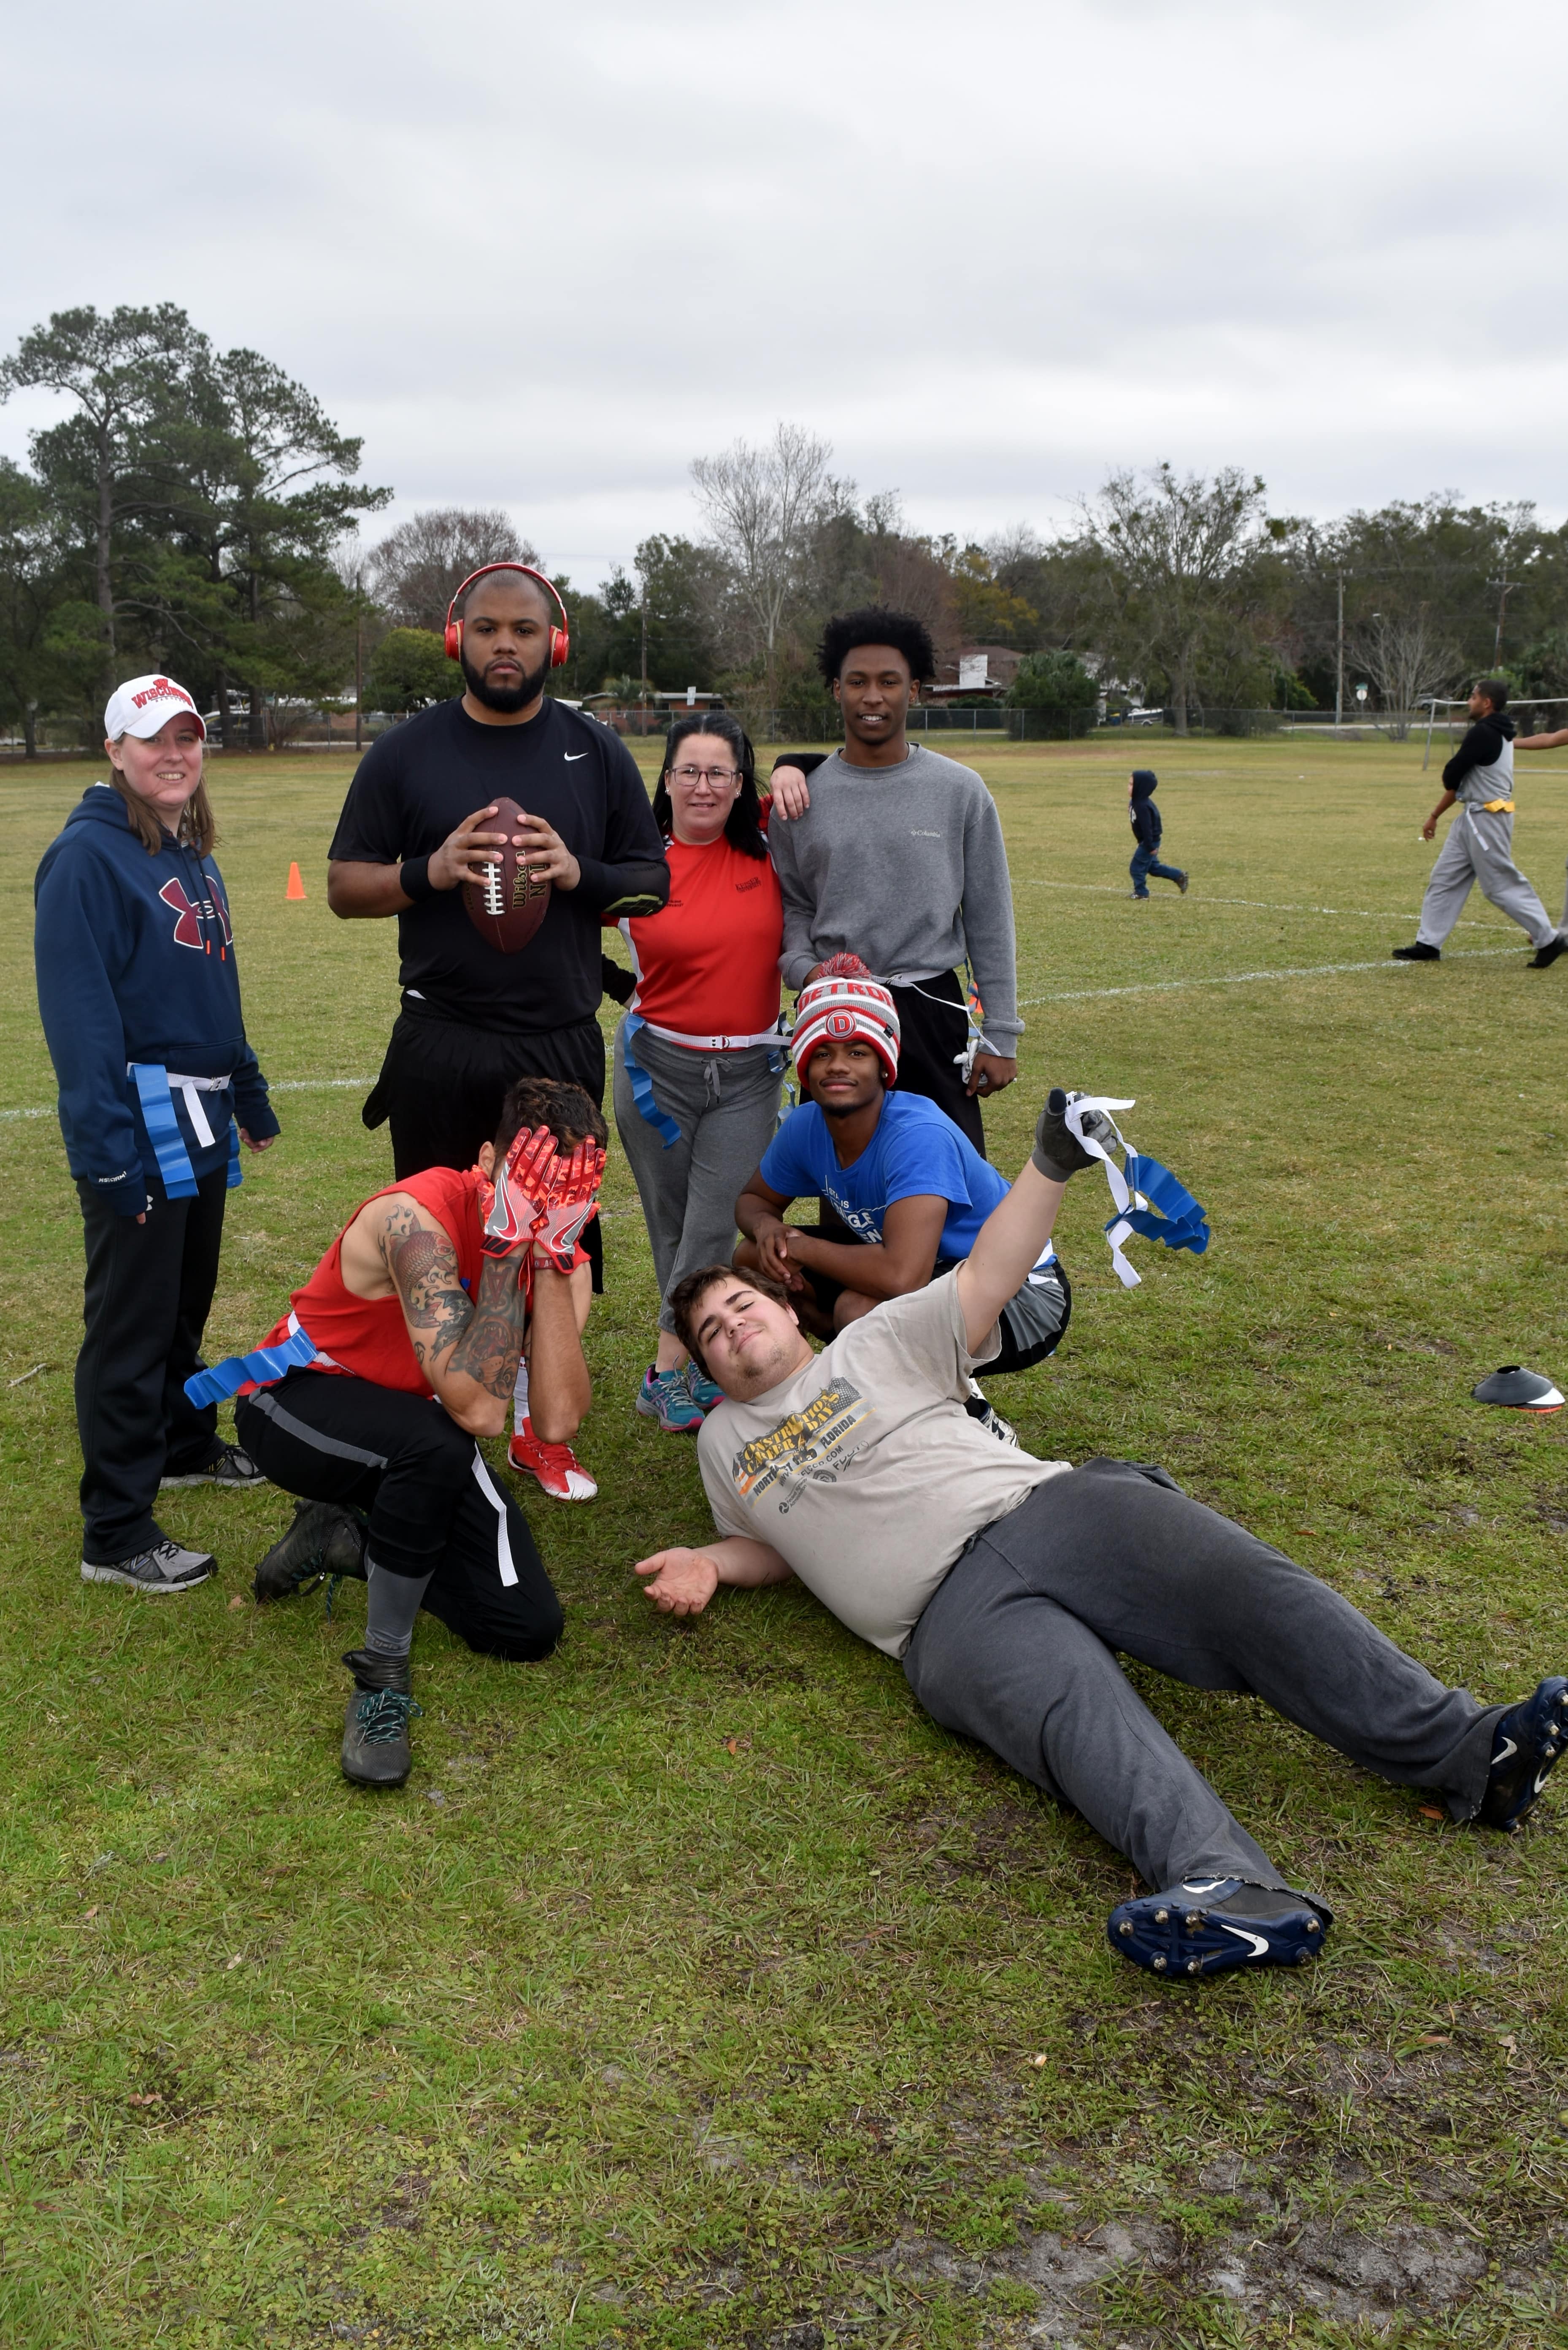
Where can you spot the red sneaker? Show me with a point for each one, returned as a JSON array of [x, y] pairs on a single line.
[[556, 1466]]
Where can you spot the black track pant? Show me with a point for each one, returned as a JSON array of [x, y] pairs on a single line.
[[149, 1288], [931, 1034], [442, 1085], [430, 1501], [1017, 1649]]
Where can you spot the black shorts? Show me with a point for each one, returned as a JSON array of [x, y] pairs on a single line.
[[443, 1084]]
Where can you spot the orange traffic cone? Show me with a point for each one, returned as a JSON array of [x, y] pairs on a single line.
[[295, 885]]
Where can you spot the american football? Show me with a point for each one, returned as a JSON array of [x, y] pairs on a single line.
[[509, 905]]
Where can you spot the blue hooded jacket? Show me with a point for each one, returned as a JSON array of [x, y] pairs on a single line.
[[1147, 826], [136, 962]]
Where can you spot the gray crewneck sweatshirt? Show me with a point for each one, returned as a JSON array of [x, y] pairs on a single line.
[[904, 867]]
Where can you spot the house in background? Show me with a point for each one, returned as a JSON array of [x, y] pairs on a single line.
[[983, 669]]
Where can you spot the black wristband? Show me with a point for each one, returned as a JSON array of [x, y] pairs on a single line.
[[414, 879]]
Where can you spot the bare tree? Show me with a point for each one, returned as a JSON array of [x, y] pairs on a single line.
[[764, 508], [418, 567], [1406, 657], [1175, 553]]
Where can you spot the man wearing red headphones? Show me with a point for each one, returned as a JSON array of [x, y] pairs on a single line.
[[415, 827]]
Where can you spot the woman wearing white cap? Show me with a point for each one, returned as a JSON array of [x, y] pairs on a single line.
[[140, 1003]]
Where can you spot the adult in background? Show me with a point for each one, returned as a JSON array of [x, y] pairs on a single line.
[[415, 827], [900, 859], [699, 1057], [140, 994], [1007, 1586], [1479, 846], [1551, 742]]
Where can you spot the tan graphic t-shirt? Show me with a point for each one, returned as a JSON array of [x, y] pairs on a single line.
[[864, 1471]]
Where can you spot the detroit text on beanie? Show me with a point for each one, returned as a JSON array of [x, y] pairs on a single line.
[[833, 1009]]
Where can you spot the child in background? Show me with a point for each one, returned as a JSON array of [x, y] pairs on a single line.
[[1147, 830]]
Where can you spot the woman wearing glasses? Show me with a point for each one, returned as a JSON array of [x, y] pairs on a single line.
[[699, 1057]]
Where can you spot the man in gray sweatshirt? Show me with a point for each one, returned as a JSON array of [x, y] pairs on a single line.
[[900, 859]]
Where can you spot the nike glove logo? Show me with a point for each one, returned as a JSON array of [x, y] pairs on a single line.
[[570, 756]]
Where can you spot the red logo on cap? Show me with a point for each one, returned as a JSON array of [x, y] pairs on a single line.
[[159, 690], [839, 1023]]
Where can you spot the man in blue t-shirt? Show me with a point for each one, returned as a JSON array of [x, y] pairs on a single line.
[[908, 1184]]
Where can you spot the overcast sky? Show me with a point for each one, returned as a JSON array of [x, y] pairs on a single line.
[[542, 257]]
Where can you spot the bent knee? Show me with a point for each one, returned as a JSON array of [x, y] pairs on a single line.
[[514, 1644]]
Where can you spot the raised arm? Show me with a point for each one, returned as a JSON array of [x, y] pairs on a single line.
[[466, 1347], [682, 1582], [1541, 742], [1014, 1235]]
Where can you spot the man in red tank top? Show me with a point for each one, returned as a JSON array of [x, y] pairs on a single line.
[[400, 1351]]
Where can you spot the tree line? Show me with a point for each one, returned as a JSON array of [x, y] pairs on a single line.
[[196, 510]]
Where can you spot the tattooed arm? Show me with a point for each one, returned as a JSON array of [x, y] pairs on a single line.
[[467, 1348]]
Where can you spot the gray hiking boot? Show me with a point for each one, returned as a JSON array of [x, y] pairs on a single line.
[[157, 1572], [376, 1748], [324, 1540]]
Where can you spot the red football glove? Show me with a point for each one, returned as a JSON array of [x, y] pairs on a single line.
[[516, 1194], [571, 1199]]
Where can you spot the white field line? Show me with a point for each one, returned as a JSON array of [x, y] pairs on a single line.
[[1258, 905], [288, 1086], [1245, 978]]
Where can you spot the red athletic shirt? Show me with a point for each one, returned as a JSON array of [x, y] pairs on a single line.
[[367, 1337], [708, 962]]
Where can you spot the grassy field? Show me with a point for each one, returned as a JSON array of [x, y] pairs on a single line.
[[697, 1991]]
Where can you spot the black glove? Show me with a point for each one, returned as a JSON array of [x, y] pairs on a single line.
[[1057, 1151]]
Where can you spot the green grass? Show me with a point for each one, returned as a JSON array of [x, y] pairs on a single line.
[[698, 1991]]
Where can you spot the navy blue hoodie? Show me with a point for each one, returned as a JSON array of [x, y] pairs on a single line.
[[136, 962], [1142, 811]]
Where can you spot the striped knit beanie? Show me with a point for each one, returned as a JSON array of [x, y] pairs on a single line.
[[845, 1001]]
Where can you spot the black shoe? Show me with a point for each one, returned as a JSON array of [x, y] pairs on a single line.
[[376, 1748], [1544, 957], [322, 1540], [230, 1465], [1530, 1739], [1210, 1923], [1183, 882], [1419, 953], [157, 1572]]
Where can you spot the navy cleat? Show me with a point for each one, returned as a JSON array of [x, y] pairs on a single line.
[[1530, 1739], [1210, 1923]]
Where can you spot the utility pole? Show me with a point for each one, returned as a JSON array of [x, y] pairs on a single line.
[[645, 648], [359, 679], [1504, 587], [1339, 667]]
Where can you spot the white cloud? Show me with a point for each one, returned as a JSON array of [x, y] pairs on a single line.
[[544, 259]]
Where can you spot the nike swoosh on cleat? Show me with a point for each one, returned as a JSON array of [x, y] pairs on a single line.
[[1259, 1941], [1509, 1748], [1201, 1885], [570, 756]]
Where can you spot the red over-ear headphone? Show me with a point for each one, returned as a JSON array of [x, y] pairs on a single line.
[[560, 639]]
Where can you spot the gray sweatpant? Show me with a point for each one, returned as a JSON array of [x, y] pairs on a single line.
[[1479, 847], [726, 1105], [1016, 1648]]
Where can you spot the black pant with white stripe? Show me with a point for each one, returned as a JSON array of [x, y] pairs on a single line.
[[433, 1507]]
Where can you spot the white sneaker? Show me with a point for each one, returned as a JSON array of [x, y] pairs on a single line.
[[162, 1569]]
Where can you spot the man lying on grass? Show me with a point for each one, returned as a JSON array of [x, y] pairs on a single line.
[[1007, 1584], [401, 1349]]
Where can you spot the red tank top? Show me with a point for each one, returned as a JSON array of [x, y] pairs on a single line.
[[367, 1337]]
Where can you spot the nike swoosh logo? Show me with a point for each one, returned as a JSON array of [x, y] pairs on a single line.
[[1259, 1941], [1509, 1748], [570, 756]]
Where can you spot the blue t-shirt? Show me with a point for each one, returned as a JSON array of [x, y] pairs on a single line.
[[916, 1150]]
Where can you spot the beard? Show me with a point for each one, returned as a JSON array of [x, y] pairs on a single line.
[[505, 698]]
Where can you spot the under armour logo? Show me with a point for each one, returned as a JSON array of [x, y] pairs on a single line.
[[188, 928]]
